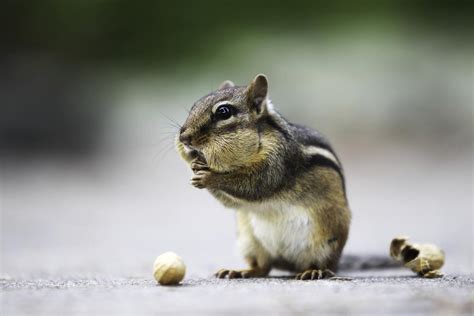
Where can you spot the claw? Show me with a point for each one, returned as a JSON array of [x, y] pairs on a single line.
[[237, 274], [221, 274], [234, 274], [197, 183], [314, 274], [197, 165], [306, 275], [328, 273], [198, 180], [245, 274], [231, 274]]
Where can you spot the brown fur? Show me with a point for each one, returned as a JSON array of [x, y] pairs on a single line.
[[253, 162]]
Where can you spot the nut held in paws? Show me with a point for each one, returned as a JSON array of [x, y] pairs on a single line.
[[169, 269]]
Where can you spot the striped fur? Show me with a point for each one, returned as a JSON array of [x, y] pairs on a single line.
[[284, 180]]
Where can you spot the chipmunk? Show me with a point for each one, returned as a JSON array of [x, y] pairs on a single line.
[[284, 180]]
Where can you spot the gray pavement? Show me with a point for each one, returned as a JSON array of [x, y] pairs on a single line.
[[80, 237], [366, 294]]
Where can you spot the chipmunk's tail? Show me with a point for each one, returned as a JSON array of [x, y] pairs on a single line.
[[369, 262]]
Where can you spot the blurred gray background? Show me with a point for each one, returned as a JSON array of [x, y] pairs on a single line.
[[92, 93]]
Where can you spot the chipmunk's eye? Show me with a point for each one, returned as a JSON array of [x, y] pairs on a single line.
[[223, 112]]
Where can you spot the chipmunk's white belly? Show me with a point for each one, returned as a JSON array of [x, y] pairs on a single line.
[[285, 231]]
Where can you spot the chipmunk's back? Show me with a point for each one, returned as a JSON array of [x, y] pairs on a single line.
[[284, 180]]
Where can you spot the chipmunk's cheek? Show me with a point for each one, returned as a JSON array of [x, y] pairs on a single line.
[[230, 151], [212, 157], [216, 154]]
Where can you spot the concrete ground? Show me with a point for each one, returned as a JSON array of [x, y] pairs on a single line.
[[375, 293], [80, 237]]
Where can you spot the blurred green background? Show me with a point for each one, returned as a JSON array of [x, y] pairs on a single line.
[[164, 33], [63, 61], [91, 91]]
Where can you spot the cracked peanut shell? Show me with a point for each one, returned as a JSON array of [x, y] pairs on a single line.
[[424, 259]]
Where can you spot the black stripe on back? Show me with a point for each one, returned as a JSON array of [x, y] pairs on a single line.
[[270, 121], [319, 160]]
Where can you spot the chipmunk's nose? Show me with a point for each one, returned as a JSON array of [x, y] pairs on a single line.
[[185, 138]]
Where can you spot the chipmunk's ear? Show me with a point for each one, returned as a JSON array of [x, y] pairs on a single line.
[[257, 92], [226, 84]]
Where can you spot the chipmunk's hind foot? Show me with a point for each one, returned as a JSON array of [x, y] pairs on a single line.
[[240, 274], [315, 274]]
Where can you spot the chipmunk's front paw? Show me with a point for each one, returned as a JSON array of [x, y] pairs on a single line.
[[202, 174], [198, 165], [314, 274], [201, 179]]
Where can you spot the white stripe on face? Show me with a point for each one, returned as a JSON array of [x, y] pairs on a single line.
[[314, 150]]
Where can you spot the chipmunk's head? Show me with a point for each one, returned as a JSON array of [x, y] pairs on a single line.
[[222, 127]]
